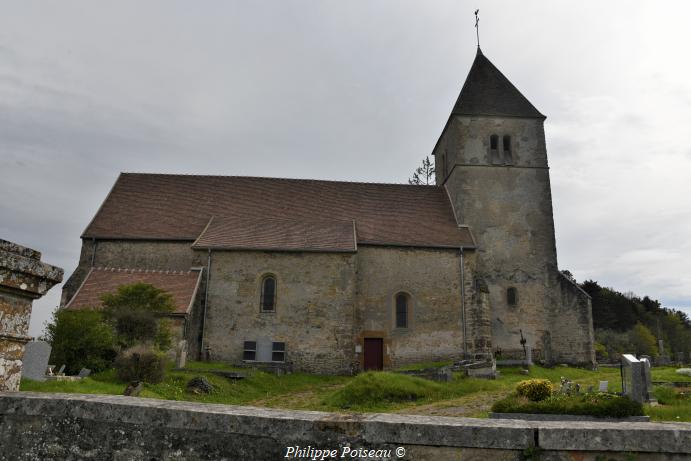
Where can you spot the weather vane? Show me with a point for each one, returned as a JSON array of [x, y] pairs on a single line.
[[477, 27]]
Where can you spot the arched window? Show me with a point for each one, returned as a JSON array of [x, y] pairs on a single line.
[[401, 310], [508, 156], [494, 148], [268, 298], [512, 296]]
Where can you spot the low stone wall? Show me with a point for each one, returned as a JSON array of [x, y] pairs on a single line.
[[38, 426]]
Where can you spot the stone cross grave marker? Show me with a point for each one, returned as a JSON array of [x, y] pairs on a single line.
[[36, 355], [181, 354]]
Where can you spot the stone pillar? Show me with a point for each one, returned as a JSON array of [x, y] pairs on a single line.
[[23, 278]]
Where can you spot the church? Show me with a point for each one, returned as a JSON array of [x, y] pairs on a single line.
[[338, 277]]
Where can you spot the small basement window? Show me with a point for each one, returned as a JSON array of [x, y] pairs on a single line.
[[278, 352], [250, 350], [512, 296]]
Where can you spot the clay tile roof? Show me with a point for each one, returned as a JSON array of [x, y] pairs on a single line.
[[101, 280], [270, 213], [277, 234], [487, 91]]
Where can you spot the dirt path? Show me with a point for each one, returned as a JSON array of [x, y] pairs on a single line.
[[308, 399], [472, 405]]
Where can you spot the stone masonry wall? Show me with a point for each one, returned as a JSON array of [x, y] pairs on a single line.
[[134, 254], [572, 338], [41, 426], [432, 279], [509, 210], [23, 278], [314, 307]]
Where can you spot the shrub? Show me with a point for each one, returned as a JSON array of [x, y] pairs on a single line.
[[598, 404], [140, 364], [135, 311], [374, 388], [534, 389], [80, 339]]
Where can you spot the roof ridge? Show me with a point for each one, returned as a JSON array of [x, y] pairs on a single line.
[[135, 270], [270, 178]]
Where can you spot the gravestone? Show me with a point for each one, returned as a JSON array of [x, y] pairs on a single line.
[[647, 380], [680, 356], [36, 355], [604, 385], [61, 371], [636, 382], [181, 354], [84, 373]]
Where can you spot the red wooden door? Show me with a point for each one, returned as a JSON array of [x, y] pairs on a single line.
[[374, 354]]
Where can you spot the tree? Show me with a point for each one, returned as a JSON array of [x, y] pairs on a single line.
[[80, 339], [642, 340], [135, 312], [423, 175]]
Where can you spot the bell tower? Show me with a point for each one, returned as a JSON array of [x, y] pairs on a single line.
[[492, 159]]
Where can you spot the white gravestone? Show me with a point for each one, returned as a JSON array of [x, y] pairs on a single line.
[[36, 355]]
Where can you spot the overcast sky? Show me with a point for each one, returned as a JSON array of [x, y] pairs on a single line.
[[349, 90]]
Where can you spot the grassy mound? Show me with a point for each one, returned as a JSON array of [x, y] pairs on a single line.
[[595, 404], [372, 389]]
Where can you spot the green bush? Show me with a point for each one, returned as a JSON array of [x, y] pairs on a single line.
[[373, 388], [135, 312], [595, 404], [534, 389], [80, 339], [140, 364]]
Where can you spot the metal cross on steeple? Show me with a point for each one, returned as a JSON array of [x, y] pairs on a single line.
[[477, 27]]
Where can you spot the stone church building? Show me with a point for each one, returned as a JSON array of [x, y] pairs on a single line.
[[336, 277]]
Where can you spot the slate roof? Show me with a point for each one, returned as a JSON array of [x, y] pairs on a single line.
[[270, 213], [487, 91], [182, 285]]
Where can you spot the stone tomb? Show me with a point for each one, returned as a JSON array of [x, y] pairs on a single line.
[[36, 355]]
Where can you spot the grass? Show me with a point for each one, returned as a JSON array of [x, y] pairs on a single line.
[[367, 392]]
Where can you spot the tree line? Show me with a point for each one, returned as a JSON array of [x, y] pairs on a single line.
[[627, 323]]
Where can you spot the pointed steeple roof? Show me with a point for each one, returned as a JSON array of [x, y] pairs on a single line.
[[487, 91]]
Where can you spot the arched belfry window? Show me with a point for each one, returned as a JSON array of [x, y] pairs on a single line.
[[512, 296], [494, 148], [402, 309], [508, 154], [268, 297]]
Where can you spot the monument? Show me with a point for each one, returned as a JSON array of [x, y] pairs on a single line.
[[23, 278]]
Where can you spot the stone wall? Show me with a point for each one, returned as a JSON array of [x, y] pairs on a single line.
[[23, 278], [132, 254], [572, 336], [509, 210], [432, 279], [71, 426], [314, 307]]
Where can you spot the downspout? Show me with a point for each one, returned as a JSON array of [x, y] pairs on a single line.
[[206, 301], [463, 322]]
